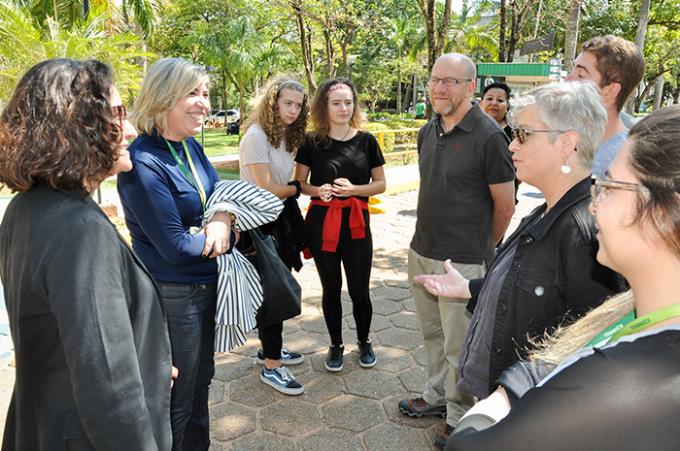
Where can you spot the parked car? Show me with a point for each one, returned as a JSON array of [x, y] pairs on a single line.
[[217, 117]]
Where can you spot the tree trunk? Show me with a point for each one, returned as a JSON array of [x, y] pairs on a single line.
[[501, 33], [641, 31], [306, 47], [399, 110], [330, 53], [658, 92], [407, 97], [640, 35], [571, 35]]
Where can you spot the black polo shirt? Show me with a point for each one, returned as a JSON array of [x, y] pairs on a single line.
[[455, 209]]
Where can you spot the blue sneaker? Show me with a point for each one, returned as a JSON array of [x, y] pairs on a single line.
[[281, 379], [287, 357]]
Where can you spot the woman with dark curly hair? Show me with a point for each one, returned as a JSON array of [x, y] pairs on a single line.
[[344, 166], [274, 131], [92, 353]]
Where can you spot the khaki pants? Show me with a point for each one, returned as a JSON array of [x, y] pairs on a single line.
[[443, 322]]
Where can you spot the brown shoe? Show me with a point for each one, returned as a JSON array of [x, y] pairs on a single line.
[[418, 407], [443, 436]]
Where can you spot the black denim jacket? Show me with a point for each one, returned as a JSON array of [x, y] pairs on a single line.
[[554, 277]]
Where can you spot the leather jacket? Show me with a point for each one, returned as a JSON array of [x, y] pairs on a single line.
[[553, 278]]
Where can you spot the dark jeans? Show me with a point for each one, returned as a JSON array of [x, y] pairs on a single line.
[[356, 257], [190, 310]]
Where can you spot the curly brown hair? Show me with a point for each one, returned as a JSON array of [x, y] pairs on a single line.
[[319, 109], [58, 128], [266, 113]]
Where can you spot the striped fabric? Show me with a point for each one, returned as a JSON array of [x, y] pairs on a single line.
[[239, 289]]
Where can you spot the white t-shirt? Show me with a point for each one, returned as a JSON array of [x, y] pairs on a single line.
[[255, 148]]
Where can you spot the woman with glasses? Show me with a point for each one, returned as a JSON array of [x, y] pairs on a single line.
[[545, 273], [164, 198], [616, 381], [93, 367]]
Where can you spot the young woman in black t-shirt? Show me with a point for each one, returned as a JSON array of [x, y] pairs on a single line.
[[340, 166]]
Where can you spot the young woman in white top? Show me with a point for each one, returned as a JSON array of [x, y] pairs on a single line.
[[274, 131]]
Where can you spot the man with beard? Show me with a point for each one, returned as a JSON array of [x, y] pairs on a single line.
[[465, 204]]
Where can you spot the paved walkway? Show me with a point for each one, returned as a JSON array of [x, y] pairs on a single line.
[[353, 409]]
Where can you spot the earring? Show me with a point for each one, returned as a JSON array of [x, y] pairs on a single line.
[[565, 168]]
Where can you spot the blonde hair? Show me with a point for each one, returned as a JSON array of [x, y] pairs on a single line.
[[567, 340], [168, 80], [265, 112]]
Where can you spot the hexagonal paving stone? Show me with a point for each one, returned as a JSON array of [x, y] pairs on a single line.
[[400, 338], [306, 342], [391, 406], [329, 439], [216, 393], [353, 413], [397, 283], [390, 436], [290, 417], [392, 293], [392, 360], [261, 441], [385, 308], [317, 325], [231, 420], [414, 379], [406, 320], [233, 366], [323, 387], [378, 323], [372, 383], [250, 391], [409, 305]]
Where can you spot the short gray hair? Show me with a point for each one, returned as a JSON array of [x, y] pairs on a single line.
[[569, 105], [168, 80]]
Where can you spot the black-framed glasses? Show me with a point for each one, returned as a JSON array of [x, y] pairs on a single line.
[[120, 113], [521, 134], [599, 185], [447, 82]]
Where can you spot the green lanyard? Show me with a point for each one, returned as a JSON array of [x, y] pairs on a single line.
[[192, 177], [630, 324]]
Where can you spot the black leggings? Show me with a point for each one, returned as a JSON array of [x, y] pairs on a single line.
[[271, 338], [356, 257]]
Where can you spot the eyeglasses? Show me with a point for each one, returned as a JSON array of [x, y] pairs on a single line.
[[521, 134], [447, 82], [599, 186], [120, 113]]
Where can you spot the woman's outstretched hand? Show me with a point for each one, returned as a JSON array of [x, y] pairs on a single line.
[[450, 285]]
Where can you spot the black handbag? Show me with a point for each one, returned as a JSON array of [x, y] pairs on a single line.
[[281, 292]]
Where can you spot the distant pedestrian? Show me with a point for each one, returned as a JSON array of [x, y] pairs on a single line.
[[93, 363], [274, 131], [340, 166], [421, 108], [465, 203]]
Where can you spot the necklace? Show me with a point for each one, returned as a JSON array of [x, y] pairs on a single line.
[[349, 129]]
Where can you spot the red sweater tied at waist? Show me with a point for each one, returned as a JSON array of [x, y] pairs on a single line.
[[333, 220]]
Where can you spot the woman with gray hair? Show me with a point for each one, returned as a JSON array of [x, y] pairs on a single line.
[[545, 273], [163, 197]]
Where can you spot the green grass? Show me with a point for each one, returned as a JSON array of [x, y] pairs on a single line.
[[217, 142]]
